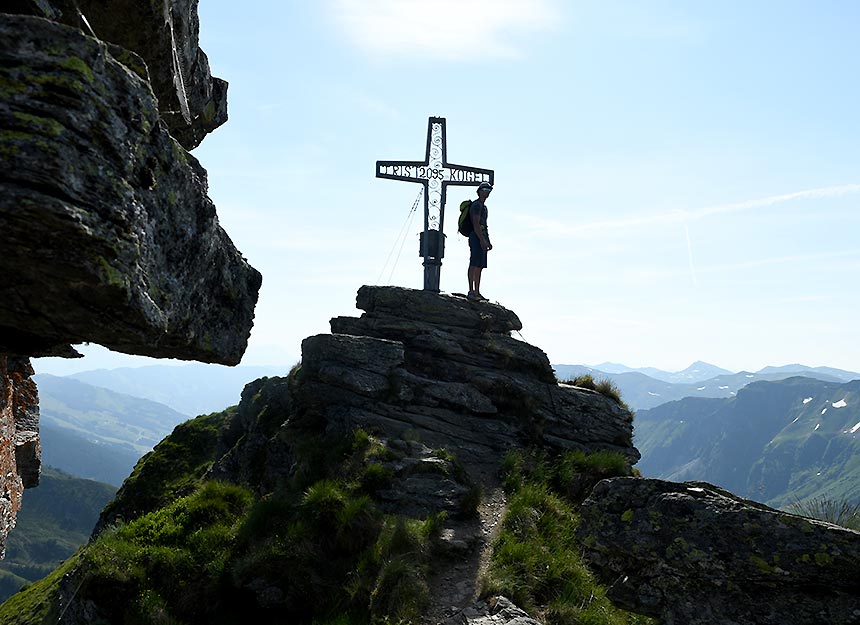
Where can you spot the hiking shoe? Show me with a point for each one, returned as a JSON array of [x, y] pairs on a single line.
[[480, 298], [473, 297]]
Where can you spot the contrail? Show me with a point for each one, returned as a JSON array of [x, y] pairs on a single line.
[[555, 228], [690, 254]]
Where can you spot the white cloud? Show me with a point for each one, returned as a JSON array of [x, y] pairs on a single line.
[[443, 29]]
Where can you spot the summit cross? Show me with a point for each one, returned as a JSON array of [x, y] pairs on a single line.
[[435, 173]]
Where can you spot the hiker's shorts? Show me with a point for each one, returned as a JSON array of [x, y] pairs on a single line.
[[478, 255]]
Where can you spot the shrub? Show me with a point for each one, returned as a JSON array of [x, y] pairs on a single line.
[[375, 477], [468, 505], [433, 525]]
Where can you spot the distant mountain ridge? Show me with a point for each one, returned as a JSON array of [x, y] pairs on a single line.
[[641, 391], [96, 433], [775, 442], [192, 389], [97, 424], [696, 372], [104, 415]]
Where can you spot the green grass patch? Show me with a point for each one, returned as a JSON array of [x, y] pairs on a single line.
[[573, 473], [171, 470], [37, 603], [536, 560], [169, 564], [318, 549]]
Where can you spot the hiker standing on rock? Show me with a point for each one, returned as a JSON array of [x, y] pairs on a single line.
[[479, 241]]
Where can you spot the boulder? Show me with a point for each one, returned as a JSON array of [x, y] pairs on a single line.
[[108, 235], [694, 554], [499, 611]]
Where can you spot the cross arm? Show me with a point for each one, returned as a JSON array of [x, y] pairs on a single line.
[[410, 171]]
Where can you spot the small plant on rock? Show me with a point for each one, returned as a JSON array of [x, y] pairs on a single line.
[[605, 387], [837, 511]]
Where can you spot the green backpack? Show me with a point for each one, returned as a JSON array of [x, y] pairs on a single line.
[[464, 224]]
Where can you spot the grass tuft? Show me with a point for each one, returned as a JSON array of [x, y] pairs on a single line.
[[605, 387], [837, 511], [536, 559]]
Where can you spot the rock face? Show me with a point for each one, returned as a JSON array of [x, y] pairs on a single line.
[[693, 554], [106, 230], [445, 392], [20, 451]]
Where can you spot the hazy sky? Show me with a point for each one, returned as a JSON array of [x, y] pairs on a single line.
[[674, 180]]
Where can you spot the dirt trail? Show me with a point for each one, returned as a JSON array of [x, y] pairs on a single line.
[[456, 582]]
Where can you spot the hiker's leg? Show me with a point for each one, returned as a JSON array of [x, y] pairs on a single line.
[[477, 280], [475, 262]]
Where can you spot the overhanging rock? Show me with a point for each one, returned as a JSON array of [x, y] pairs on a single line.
[[107, 232]]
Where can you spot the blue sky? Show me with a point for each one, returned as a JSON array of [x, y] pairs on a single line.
[[674, 180]]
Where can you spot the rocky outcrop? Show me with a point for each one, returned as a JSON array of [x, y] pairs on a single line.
[[106, 230], [164, 33], [437, 371], [20, 451], [449, 370], [693, 554]]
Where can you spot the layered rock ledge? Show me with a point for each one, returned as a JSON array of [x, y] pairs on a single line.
[[694, 554], [449, 370]]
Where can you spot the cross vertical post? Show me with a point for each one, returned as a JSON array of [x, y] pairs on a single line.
[[435, 173]]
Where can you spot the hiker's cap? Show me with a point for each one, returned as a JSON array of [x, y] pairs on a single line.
[[485, 185]]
